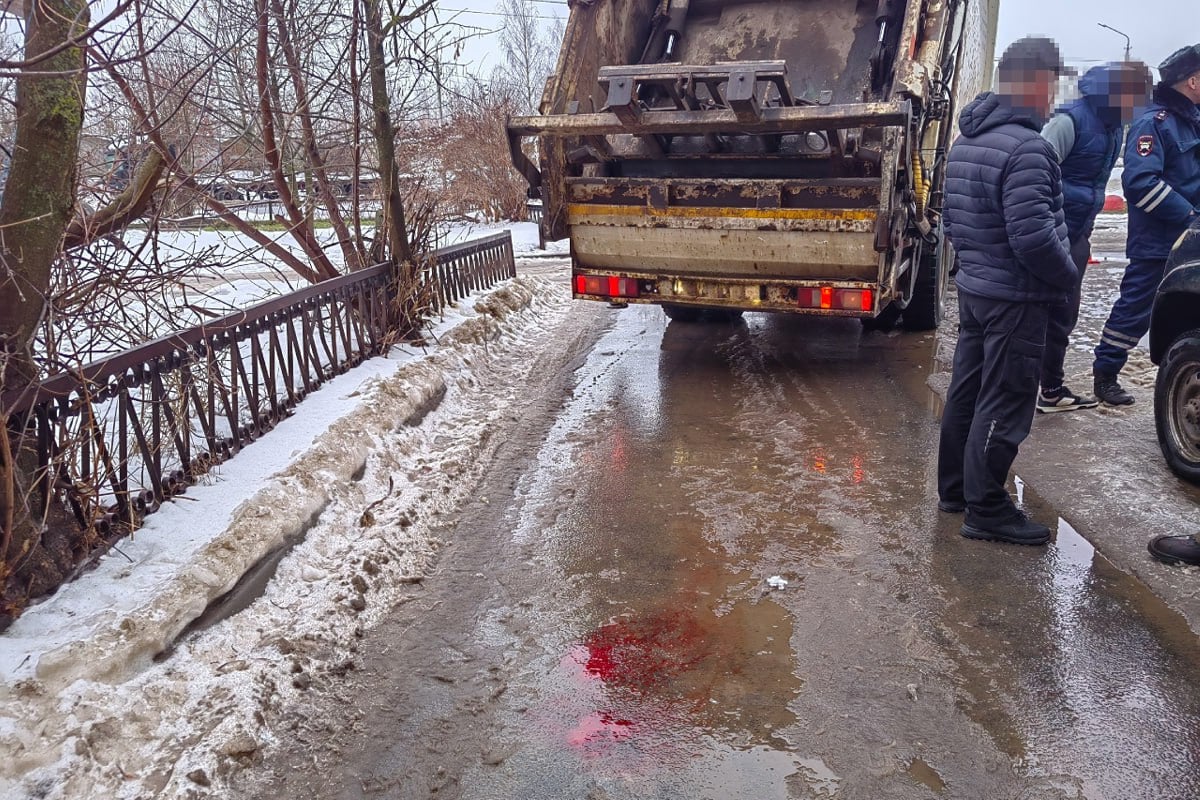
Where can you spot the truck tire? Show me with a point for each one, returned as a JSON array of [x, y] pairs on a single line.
[[928, 305], [886, 321], [698, 314], [1177, 406], [682, 313]]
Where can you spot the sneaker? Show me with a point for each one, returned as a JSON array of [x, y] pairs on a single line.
[[952, 506], [1018, 530], [1175, 549], [1109, 390], [1063, 399]]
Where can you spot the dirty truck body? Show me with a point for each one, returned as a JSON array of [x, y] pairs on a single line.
[[770, 155]]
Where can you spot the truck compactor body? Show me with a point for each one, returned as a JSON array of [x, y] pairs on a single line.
[[720, 156]]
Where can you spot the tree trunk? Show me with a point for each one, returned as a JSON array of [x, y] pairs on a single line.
[[37, 204], [385, 136]]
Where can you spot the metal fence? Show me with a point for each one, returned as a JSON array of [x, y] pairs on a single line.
[[118, 437], [464, 268]]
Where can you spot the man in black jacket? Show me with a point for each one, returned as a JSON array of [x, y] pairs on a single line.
[[1004, 215]]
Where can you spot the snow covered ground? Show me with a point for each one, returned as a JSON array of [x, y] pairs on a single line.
[[230, 272], [101, 696], [248, 273]]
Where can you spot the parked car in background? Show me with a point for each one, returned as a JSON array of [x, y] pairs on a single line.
[[221, 188], [1175, 348]]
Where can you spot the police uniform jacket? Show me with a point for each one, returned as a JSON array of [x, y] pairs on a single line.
[[1162, 174], [1003, 209]]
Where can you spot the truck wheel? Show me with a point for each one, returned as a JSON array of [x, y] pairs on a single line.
[[886, 320], [928, 305], [682, 313], [1177, 406]]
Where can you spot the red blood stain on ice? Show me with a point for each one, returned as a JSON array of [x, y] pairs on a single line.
[[644, 652], [629, 672]]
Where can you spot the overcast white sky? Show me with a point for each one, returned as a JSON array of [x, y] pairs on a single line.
[[1156, 27], [484, 16]]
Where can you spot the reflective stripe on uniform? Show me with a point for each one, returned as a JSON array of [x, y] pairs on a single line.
[[1155, 195], [1161, 197], [1133, 340], [1123, 343], [1118, 345]]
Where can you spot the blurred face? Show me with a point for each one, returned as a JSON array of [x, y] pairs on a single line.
[[1033, 90], [1190, 88], [1128, 104], [1131, 92]]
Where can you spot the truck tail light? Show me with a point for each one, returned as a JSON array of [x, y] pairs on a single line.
[[606, 286], [829, 298]]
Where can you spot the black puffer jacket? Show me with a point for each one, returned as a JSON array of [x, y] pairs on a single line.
[[1004, 207]]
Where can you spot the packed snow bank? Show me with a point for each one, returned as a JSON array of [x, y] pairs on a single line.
[[362, 472]]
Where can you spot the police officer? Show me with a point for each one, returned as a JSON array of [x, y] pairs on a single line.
[[1003, 213], [1087, 136], [1162, 187]]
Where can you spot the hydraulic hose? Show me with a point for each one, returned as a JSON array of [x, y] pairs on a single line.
[[920, 184]]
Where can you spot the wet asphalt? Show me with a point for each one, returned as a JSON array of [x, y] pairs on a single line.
[[709, 565]]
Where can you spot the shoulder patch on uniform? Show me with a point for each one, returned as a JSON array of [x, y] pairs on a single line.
[[1161, 115], [1145, 145]]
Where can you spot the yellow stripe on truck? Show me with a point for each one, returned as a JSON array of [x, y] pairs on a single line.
[[577, 210]]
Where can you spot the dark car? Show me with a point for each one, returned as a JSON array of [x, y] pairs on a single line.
[[1175, 348]]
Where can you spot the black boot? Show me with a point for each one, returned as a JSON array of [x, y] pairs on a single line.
[[1175, 549], [1018, 530], [1108, 390]]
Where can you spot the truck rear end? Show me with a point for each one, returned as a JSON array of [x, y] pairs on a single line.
[[756, 154]]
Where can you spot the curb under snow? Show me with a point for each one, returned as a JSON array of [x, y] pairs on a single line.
[[366, 486], [119, 644]]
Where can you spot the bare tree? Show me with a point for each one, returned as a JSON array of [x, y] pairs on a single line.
[[529, 52], [474, 147], [311, 98], [38, 198]]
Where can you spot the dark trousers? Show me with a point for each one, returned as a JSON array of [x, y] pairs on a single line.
[[1063, 319], [1130, 316], [990, 405]]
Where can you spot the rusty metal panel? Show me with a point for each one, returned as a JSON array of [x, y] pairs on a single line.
[[635, 218], [727, 253], [846, 193], [596, 35], [827, 44], [793, 119]]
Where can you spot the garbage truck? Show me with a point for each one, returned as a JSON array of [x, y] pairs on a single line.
[[721, 156]]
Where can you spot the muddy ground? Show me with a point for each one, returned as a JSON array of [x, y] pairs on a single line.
[[706, 563]]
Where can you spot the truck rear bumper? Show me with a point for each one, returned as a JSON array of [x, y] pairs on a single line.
[[827, 298]]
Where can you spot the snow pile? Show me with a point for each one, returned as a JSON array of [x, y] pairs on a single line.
[[362, 473]]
